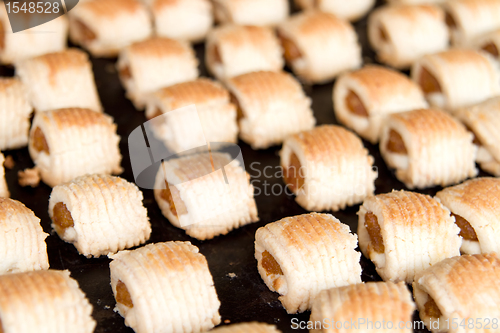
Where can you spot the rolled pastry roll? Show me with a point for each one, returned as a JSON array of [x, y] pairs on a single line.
[[217, 115], [271, 106], [416, 2], [489, 42], [462, 292], [205, 199], [252, 327], [456, 78], [15, 112], [484, 121], [251, 12], [402, 34], [319, 46], [327, 168], [364, 304], [469, 19], [403, 233], [68, 143], [99, 214], [45, 38], [364, 98], [147, 66], [104, 27], [4, 190], [428, 147], [165, 287], [299, 256], [232, 50], [44, 301], [189, 20], [59, 80], [475, 204], [22, 240], [352, 10]]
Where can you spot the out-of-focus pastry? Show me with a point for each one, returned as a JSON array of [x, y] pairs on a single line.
[[364, 98], [165, 287], [44, 301], [99, 214], [428, 147], [104, 27], [206, 194], [350, 10], [59, 80], [251, 12], [489, 42], [319, 46], [484, 121], [469, 19], [416, 2], [217, 116], [374, 302], [327, 168], [4, 190], [404, 233], [457, 78], [68, 143], [15, 114], [251, 327], [475, 204], [271, 106], [462, 292], [402, 34], [233, 50], [22, 240], [147, 66], [300, 256]]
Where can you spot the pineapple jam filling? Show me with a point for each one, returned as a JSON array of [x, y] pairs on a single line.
[[270, 264], [431, 309], [373, 228], [216, 54], [466, 230], [290, 51], [62, 217], [395, 143], [239, 110], [125, 73], [39, 142], [122, 295], [428, 82], [491, 49], [355, 105], [87, 34], [383, 34], [450, 21], [168, 194], [293, 174]]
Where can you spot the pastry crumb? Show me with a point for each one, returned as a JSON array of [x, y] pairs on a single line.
[[29, 177], [107, 307], [227, 321], [231, 275], [9, 162]]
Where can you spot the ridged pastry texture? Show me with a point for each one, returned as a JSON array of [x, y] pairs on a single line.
[[169, 286], [381, 91], [327, 45], [250, 327], [15, 112], [463, 77], [273, 106], [402, 34], [22, 240], [79, 142], [59, 80], [155, 63], [251, 12], [301, 255], [205, 199], [4, 189], [216, 114], [189, 20], [335, 166], [45, 38], [107, 212], [350, 10], [233, 50], [44, 302], [104, 27], [484, 121], [466, 292], [416, 232], [439, 149], [366, 306], [478, 202]]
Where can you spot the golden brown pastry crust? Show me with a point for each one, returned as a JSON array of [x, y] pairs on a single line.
[[251, 327], [251, 12]]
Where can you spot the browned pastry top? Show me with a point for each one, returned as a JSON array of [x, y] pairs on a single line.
[[159, 46]]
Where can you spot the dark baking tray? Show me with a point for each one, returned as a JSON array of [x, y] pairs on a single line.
[[243, 296]]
